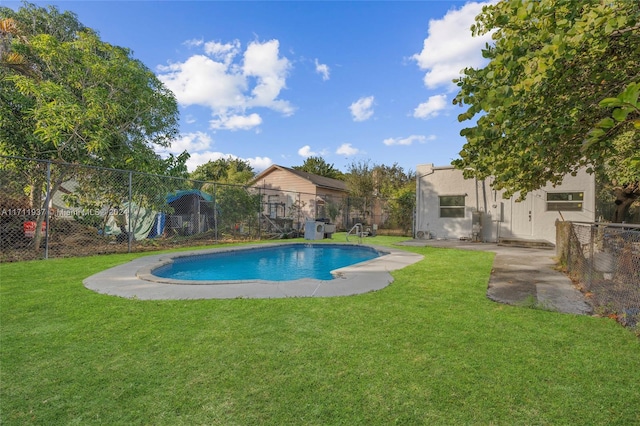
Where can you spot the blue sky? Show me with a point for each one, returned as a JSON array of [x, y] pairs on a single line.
[[273, 82]]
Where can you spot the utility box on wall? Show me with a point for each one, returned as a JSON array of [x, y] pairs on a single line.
[[476, 226]]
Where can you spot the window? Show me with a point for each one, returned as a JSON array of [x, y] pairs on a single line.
[[452, 206], [320, 209], [272, 202], [565, 201]]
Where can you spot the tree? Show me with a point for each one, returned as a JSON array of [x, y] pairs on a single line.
[[397, 188], [388, 180], [369, 184], [622, 172], [240, 171], [9, 58], [224, 170], [82, 101], [402, 207], [318, 166], [224, 179], [360, 182], [621, 175], [91, 102], [541, 95], [211, 171], [237, 206]]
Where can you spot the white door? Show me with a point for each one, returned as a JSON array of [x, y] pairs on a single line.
[[522, 218]]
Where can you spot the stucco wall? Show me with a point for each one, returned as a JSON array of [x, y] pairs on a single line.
[[501, 218]]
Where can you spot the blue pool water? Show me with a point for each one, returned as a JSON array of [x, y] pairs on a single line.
[[279, 263]]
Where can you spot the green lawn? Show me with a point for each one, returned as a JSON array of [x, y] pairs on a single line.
[[429, 349]]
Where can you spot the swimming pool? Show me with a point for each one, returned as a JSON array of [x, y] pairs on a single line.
[[280, 263], [134, 279]]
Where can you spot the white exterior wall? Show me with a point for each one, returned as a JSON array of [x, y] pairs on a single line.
[[501, 218]]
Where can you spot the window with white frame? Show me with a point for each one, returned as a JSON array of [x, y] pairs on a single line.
[[565, 201], [452, 206]]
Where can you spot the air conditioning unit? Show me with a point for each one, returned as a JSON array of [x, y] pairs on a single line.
[[329, 230], [313, 230], [423, 235]]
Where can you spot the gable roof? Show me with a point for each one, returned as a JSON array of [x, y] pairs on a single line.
[[317, 180]]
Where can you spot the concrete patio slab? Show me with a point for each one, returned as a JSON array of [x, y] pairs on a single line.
[[521, 275]]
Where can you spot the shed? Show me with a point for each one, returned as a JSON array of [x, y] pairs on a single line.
[[193, 212]]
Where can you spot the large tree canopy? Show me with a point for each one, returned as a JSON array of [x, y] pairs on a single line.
[[224, 170], [68, 96], [546, 99]]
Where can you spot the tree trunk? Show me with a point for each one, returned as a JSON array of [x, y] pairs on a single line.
[[43, 207], [626, 195]]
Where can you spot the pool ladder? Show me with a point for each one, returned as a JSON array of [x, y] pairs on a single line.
[[357, 229]]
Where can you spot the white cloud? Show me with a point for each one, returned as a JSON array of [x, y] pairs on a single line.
[[305, 152], [190, 142], [236, 122], [199, 144], [347, 149], [262, 61], [259, 163], [222, 51], [405, 141], [362, 109], [202, 81], [229, 83], [199, 158], [194, 42], [450, 47], [322, 69], [432, 107]]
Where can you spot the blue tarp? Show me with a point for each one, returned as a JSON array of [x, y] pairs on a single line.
[[158, 226]]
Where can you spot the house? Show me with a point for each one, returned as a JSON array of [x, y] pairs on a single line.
[[451, 207], [290, 197]]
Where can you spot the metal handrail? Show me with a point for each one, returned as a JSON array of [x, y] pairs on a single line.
[[357, 226]]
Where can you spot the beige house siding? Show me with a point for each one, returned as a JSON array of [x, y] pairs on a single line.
[[281, 180], [289, 195]]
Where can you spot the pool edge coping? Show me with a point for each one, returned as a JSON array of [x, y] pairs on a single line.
[[146, 272]]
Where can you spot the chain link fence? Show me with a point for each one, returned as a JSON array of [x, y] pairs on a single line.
[[50, 209], [605, 260]]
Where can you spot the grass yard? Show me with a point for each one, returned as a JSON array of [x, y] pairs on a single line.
[[428, 349]]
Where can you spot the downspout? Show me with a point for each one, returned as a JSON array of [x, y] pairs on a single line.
[[484, 195], [418, 201], [477, 196]]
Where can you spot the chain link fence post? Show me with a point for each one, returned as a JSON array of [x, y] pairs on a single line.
[[47, 207], [130, 208]]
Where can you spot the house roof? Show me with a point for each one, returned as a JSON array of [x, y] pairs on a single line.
[[317, 180]]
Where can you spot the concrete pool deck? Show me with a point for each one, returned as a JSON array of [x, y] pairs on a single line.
[[132, 280]]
